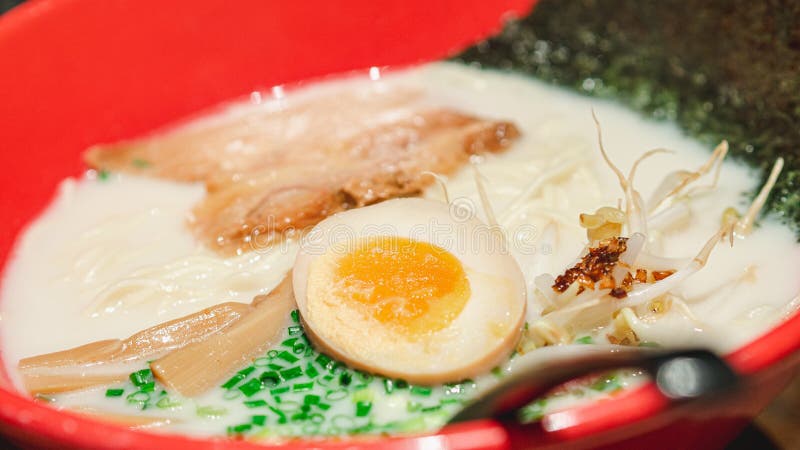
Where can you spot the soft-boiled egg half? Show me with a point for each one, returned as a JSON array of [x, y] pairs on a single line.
[[408, 289]]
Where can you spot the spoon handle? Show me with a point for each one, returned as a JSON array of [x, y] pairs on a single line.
[[680, 375]]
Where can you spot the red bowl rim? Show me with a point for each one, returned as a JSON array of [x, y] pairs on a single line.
[[23, 413]]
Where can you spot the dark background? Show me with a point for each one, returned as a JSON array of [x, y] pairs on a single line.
[[779, 417]]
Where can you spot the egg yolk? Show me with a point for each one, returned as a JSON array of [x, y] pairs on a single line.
[[413, 286]]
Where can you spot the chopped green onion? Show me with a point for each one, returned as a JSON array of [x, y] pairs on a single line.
[[325, 362], [421, 390], [114, 392], [292, 373], [533, 411], [239, 429], [298, 348], [259, 420], [363, 395], [289, 342], [233, 381], [649, 344], [211, 411], [280, 390], [363, 408], [272, 354], [270, 379], [261, 362], [454, 389], [299, 417], [302, 387], [140, 398], [323, 406], [413, 406], [141, 377], [497, 371], [295, 330], [251, 387], [311, 371], [232, 394], [316, 418], [388, 385], [326, 380], [401, 384], [336, 395], [311, 399], [275, 366], [431, 408], [255, 403], [148, 387], [102, 175], [345, 378], [296, 316], [606, 383], [288, 357], [167, 402], [585, 340]]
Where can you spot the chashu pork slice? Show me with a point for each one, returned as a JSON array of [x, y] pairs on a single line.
[[269, 173]]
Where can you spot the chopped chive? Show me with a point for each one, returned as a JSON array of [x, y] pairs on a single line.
[[167, 402], [251, 387], [280, 390], [211, 411], [336, 395], [311, 371], [288, 357], [311, 399], [261, 362], [532, 412], [323, 406], [325, 362], [296, 316], [606, 383], [259, 420], [585, 340], [421, 390], [233, 381], [302, 387], [299, 417], [247, 370], [114, 392], [141, 377], [453, 389], [413, 406], [140, 398], [363, 408], [298, 348], [345, 378], [292, 373], [388, 385], [431, 408], [239, 429], [255, 403], [270, 379], [140, 163], [295, 330]]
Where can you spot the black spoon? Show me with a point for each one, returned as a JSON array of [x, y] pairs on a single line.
[[681, 375]]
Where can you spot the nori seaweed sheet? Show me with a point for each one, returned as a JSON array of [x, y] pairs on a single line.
[[721, 69]]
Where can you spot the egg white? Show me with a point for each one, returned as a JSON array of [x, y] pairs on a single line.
[[479, 338]]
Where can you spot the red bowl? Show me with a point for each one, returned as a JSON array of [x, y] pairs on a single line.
[[77, 72]]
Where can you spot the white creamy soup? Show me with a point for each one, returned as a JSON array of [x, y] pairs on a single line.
[[112, 255]]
